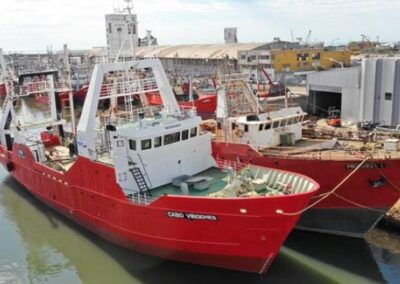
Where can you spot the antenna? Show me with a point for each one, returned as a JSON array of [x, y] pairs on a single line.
[[129, 6]]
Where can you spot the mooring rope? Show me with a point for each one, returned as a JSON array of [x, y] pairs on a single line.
[[326, 195], [386, 178], [357, 204]]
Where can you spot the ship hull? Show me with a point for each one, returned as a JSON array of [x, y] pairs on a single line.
[[349, 222], [356, 206], [205, 105], [241, 234]]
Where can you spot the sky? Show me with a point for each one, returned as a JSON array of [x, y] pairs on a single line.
[[33, 25]]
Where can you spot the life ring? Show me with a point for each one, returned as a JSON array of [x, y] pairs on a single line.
[[10, 166], [239, 132]]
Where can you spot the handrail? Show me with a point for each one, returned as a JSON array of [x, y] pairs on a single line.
[[144, 169], [142, 199], [237, 166]]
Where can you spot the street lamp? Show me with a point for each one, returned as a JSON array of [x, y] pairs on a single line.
[[337, 61]]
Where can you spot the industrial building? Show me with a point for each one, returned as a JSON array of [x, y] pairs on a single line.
[[198, 58], [296, 60], [370, 92], [211, 58]]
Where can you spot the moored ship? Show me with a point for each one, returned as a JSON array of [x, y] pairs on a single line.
[[359, 180], [146, 179]]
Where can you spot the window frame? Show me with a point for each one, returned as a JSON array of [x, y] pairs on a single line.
[[185, 134], [159, 144], [173, 140], [148, 146], [132, 144], [193, 132]]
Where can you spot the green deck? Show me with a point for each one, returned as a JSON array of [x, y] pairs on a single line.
[[216, 183]]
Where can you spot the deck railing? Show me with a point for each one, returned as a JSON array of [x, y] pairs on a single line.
[[235, 165], [141, 198]]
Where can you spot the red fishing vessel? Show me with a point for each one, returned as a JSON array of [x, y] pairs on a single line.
[[147, 181], [359, 180]]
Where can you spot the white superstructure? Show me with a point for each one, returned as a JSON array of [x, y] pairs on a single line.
[[147, 147], [122, 33], [241, 118]]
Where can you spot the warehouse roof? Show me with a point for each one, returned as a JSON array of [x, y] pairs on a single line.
[[196, 51]]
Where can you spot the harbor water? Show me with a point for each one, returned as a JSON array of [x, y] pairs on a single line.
[[38, 245]]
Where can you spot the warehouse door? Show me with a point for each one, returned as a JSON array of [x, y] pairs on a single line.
[[321, 101]]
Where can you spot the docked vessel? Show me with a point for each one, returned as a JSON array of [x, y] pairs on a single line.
[[120, 181], [359, 181]]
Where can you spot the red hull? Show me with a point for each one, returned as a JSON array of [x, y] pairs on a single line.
[[89, 195], [3, 92], [206, 105], [356, 191], [79, 96]]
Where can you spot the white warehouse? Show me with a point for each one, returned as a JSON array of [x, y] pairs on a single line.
[[370, 92]]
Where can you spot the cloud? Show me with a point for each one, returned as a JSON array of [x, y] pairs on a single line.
[[33, 25]]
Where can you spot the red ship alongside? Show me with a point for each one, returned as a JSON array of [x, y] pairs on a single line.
[[359, 180], [357, 205]]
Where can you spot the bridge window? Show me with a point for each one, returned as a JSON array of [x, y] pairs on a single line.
[[157, 142], [132, 144], [146, 144], [290, 121], [185, 134], [276, 124], [283, 123], [193, 132], [267, 126], [296, 119], [261, 127], [246, 128], [172, 138]]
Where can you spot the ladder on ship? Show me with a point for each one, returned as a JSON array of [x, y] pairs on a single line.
[[140, 181]]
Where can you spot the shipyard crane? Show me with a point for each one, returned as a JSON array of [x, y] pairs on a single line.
[[275, 88], [307, 39], [365, 38]]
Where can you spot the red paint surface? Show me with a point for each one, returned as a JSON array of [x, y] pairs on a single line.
[[89, 195], [206, 103], [3, 92]]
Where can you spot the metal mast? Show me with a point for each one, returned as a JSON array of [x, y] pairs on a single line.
[[70, 95], [131, 23]]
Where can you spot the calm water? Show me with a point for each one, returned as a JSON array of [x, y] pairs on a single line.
[[37, 245]]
